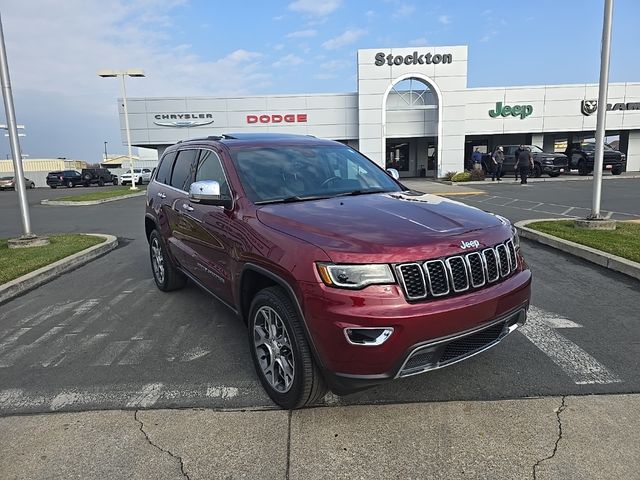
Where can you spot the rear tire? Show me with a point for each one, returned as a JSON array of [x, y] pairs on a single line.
[[616, 170], [582, 168], [70, 184], [165, 274], [53, 186], [101, 183], [32, 185], [280, 351]]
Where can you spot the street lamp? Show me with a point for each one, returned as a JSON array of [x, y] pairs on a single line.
[[134, 72], [105, 151]]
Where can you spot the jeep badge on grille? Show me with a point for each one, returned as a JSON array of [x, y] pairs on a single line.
[[470, 244]]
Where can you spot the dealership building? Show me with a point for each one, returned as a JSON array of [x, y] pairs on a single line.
[[413, 111]]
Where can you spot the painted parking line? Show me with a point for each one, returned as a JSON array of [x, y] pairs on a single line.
[[581, 367]]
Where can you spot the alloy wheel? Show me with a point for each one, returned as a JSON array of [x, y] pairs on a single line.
[[273, 348], [157, 261]]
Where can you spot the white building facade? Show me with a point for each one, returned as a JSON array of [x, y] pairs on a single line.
[[412, 111]]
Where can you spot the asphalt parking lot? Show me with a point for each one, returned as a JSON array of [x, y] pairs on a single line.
[[104, 337]]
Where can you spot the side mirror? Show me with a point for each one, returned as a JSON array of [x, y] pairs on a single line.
[[207, 192], [393, 173]]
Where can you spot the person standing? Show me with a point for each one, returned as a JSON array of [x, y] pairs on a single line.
[[498, 160], [516, 155], [523, 164], [476, 157]]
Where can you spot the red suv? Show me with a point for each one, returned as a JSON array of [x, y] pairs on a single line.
[[344, 278]]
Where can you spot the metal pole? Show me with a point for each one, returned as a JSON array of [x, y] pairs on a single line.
[[13, 138], [105, 151], [602, 109], [126, 126]]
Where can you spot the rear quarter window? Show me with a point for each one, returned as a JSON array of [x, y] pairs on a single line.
[[165, 167]]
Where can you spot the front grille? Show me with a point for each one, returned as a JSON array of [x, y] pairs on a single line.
[[458, 273], [559, 161], [467, 345]]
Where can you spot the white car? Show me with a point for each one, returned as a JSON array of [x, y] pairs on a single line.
[[140, 176]]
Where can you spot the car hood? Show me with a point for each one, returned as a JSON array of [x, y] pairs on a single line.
[[386, 227]]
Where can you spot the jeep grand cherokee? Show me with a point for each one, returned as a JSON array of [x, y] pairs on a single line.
[[344, 278]]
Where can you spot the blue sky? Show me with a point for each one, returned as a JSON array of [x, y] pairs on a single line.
[[220, 48]]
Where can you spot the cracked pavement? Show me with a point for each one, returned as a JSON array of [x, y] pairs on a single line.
[[575, 437]]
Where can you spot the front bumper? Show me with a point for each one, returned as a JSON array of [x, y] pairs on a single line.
[[424, 333], [549, 168]]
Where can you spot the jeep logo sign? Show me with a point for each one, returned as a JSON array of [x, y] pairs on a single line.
[[523, 111], [285, 118], [413, 59], [470, 244]]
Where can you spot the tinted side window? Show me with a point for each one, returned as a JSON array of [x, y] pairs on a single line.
[[166, 165], [210, 168], [182, 175]]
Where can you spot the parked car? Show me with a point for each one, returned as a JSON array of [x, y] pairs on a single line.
[[98, 176], [344, 277], [68, 178], [551, 163], [9, 183], [582, 156], [140, 175]]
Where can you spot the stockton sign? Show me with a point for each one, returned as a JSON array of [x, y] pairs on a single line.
[[414, 59], [183, 119], [522, 111], [587, 107], [278, 118]]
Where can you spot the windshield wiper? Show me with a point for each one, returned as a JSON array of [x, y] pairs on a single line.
[[361, 192], [292, 199]]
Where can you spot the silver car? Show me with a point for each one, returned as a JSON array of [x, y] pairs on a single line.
[[8, 183]]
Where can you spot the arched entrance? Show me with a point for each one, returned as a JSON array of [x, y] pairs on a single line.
[[411, 126]]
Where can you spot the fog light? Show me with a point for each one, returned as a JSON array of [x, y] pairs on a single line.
[[368, 336]]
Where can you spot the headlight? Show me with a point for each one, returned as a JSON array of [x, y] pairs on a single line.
[[516, 238], [355, 276]]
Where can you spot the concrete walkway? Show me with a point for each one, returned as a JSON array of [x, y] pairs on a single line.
[[438, 188], [593, 437]]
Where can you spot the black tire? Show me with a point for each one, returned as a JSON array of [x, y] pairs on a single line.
[[101, 183], [87, 177], [582, 168], [617, 170], [308, 386], [86, 184], [32, 185], [167, 276], [70, 184], [53, 186], [537, 170], [554, 174], [115, 181]]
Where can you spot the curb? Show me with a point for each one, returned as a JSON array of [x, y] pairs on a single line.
[[604, 259], [459, 194], [46, 201], [23, 284], [544, 179]]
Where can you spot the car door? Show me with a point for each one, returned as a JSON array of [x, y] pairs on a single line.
[[509, 158], [208, 227], [176, 197]]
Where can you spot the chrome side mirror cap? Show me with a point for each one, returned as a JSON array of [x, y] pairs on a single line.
[[207, 192], [393, 173]]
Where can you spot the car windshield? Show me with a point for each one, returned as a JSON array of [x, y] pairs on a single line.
[[6, 178], [535, 149], [294, 173]]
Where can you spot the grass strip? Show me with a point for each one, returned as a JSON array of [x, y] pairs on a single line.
[[101, 194], [20, 261], [624, 241]]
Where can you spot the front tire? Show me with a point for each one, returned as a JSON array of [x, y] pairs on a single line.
[[165, 274], [537, 171], [582, 168], [280, 351], [616, 170], [554, 174]]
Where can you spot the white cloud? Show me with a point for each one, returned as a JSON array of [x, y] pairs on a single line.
[[370, 14], [444, 19], [344, 39], [418, 42], [489, 35], [325, 76], [333, 65], [302, 34], [315, 7], [404, 10], [288, 61], [278, 46]]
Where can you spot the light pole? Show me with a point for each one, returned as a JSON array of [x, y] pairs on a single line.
[[105, 151], [135, 72]]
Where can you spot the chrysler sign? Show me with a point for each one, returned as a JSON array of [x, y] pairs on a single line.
[[183, 119]]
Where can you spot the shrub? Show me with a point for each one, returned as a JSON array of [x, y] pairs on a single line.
[[461, 177], [449, 175], [477, 175]]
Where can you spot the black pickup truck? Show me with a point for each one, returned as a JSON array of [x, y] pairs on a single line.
[[553, 164], [582, 155]]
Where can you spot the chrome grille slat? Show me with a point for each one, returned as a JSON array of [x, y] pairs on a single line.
[[437, 277], [457, 273]]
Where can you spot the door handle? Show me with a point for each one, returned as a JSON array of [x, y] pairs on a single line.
[[162, 195], [188, 208]]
